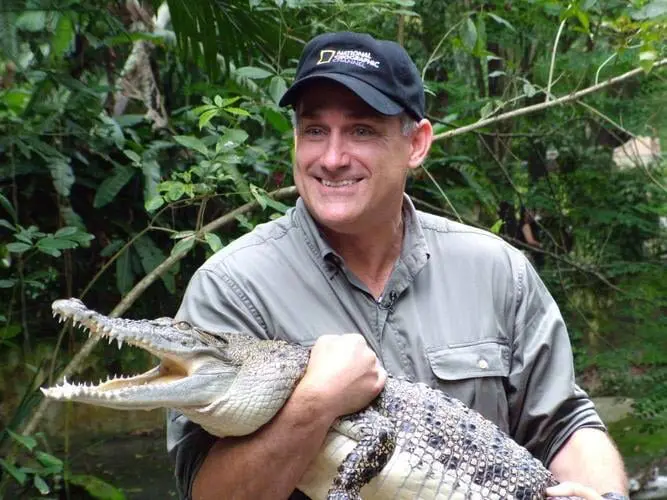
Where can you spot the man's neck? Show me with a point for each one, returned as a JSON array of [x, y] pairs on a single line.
[[370, 255]]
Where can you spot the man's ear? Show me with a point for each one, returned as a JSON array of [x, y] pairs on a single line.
[[420, 143]]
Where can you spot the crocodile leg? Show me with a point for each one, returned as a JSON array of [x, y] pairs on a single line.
[[376, 440]]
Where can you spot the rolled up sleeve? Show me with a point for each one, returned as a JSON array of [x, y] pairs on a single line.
[[546, 404], [213, 302]]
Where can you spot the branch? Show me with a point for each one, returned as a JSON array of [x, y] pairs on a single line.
[[544, 105], [518, 243], [139, 288], [553, 59]]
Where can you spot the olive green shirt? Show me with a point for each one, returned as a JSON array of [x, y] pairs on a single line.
[[462, 311]]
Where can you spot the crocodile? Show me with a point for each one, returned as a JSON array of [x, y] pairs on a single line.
[[411, 442]]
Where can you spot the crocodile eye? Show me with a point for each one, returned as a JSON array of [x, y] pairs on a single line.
[[183, 325]]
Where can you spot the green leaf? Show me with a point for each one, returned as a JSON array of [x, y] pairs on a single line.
[[176, 190], [182, 234], [652, 10], [132, 155], [227, 101], [486, 110], [63, 176], [27, 441], [127, 38], [265, 200], [40, 484], [213, 241], [528, 89], [7, 283], [20, 476], [154, 203], [124, 274], [277, 120], [48, 460], [17, 100], [96, 487], [5, 223], [253, 72], [469, 34], [648, 55], [66, 231], [480, 43], [232, 138], [244, 222], [4, 202], [62, 37], [10, 331], [52, 246], [151, 256], [192, 142], [17, 247], [495, 229], [583, 19], [32, 21], [207, 116], [152, 175], [111, 186], [110, 129], [237, 111], [277, 88], [56, 243], [183, 246], [83, 238], [500, 20], [111, 248]]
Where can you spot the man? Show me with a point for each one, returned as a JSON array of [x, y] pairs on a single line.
[[434, 300]]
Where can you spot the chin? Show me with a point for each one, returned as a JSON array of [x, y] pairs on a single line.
[[339, 221]]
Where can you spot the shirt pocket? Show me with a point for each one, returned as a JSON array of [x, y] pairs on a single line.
[[476, 373]]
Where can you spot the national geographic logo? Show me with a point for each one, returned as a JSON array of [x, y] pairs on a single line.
[[326, 56], [356, 57]]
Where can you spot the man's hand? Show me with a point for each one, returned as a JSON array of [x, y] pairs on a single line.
[[343, 375], [572, 489]]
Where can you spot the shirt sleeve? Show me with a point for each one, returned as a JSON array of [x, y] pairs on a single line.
[[546, 405], [213, 302]]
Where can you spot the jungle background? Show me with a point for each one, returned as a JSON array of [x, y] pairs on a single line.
[[136, 139]]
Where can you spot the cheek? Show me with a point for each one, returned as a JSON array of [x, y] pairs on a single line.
[[304, 156]]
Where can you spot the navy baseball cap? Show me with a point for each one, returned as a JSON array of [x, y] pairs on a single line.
[[380, 72]]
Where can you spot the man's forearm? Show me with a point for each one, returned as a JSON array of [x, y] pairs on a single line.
[[267, 464], [589, 457]]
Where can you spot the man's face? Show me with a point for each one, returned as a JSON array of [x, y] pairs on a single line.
[[351, 162]]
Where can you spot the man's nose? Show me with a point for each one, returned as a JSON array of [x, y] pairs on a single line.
[[335, 155]]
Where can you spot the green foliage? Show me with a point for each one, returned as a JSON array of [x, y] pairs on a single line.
[[40, 466], [94, 196]]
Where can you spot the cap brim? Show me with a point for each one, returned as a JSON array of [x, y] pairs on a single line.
[[369, 94]]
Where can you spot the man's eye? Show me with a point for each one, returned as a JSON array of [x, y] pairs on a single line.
[[363, 132], [313, 131]]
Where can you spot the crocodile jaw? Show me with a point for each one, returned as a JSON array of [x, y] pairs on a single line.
[[184, 377]]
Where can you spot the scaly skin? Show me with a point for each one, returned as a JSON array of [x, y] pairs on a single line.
[[411, 442]]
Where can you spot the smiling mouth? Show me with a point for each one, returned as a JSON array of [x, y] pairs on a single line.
[[336, 184]]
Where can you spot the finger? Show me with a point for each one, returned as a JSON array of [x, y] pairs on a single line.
[[572, 489]]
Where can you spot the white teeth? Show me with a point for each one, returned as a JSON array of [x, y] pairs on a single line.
[[348, 182]]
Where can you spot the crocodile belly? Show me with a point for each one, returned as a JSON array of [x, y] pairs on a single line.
[[405, 477]]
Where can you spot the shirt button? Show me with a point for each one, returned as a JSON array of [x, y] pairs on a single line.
[[483, 364]]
